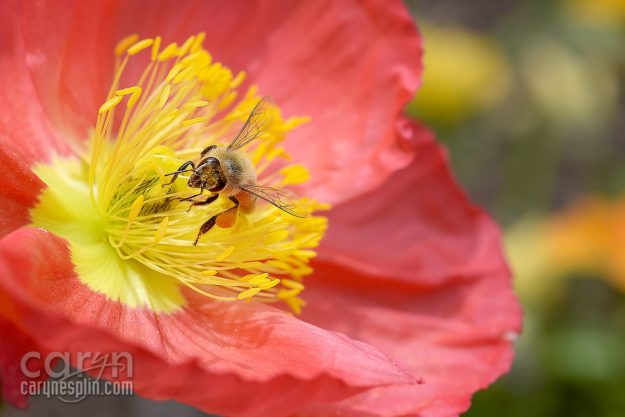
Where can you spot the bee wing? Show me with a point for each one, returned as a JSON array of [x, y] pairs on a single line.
[[254, 126], [278, 198]]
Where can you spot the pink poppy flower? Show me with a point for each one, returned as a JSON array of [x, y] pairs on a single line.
[[408, 306]]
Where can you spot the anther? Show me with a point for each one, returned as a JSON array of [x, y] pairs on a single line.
[[109, 104], [140, 46], [247, 294], [126, 42], [222, 257]]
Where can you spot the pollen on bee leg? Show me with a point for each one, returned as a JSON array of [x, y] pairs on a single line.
[[228, 218]]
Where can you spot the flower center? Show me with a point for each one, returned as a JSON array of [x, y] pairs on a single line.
[[134, 204]]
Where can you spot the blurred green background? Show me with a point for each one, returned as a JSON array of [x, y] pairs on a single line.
[[528, 95]]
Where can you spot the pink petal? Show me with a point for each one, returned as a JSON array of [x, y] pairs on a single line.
[[24, 127], [418, 272], [244, 359], [13, 346], [19, 191], [350, 65], [458, 337], [69, 53], [418, 228]]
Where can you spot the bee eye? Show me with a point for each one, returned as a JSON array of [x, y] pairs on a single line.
[[212, 162]]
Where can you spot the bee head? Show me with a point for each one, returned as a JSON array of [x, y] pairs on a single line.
[[195, 180], [208, 175]]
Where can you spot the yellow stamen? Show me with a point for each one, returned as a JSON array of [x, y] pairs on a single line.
[[164, 96], [257, 279], [139, 46], [173, 72], [196, 104], [294, 174], [193, 121], [244, 295], [134, 97], [109, 104], [169, 52], [289, 283], [135, 208], [276, 236], [197, 42], [222, 257], [266, 284], [155, 47], [184, 74], [238, 80], [125, 43], [162, 228], [186, 46], [134, 92]]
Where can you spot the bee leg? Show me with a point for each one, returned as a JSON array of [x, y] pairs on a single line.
[[191, 197], [179, 171], [227, 218], [208, 224], [224, 219], [208, 200]]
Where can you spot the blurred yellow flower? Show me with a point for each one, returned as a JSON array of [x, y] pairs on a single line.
[[465, 73], [575, 91], [587, 237], [600, 12], [529, 259]]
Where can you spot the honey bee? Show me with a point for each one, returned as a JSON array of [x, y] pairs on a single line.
[[228, 171]]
